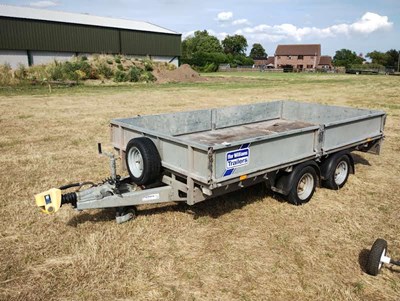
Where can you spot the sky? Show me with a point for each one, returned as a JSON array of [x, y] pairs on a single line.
[[359, 25]]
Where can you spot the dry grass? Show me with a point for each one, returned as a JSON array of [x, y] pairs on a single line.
[[244, 246]]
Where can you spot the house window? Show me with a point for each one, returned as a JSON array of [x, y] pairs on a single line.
[[309, 66], [300, 57]]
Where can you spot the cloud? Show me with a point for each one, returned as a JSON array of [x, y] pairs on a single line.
[[369, 23], [225, 16], [188, 34], [241, 22], [219, 35], [43, 4]]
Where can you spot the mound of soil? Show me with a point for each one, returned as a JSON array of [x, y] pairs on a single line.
[[183, 74]]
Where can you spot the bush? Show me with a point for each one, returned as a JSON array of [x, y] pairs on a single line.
[[105, 71], [120, 67], [6, 77], [170, 67], [117, 60], [202, 59], [80, 74], [21, 72], [110, 61], [148, 65], [70, 68], [369, 66], [54, 71], [209, 61], [147, 77], [121, 76], [134, 74], [39, 72], [211, 67]]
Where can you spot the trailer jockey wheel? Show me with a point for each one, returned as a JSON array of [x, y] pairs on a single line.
[[377, 257], [124, 214], [143, 161]]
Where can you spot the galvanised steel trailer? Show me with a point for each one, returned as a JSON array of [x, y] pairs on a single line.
[[192, 156]]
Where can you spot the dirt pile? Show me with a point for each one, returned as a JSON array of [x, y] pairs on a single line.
[[183, 74]]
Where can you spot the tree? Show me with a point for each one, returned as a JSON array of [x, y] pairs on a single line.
[[203, 51], [202, 42], [235, 45], [257, 51], [378, 57], [392, 59], [389, 59], [346, 58]]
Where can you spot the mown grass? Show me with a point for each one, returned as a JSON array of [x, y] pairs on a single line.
[[223, 80], [246, 245]]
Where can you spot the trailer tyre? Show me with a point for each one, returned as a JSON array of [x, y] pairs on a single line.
[[339, 174], [142, 160], [378, 249], [303, 186]]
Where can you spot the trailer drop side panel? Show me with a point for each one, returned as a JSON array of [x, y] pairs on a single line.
[[218, 145]]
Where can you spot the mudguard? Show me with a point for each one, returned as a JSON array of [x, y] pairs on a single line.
[[328, 165], [285, 181]]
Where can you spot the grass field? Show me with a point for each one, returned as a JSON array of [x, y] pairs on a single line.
[[243, 246]]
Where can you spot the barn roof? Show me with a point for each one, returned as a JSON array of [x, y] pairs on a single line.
[[299, 49], [74, 18]]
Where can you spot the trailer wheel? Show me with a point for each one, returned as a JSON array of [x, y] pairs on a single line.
[[142, 160], [339, 174], [378, 250], [303, 187]]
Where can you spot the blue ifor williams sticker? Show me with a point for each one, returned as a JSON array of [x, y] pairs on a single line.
[[237, 158]]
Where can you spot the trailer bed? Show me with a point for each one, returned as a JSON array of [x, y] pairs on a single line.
[[232, 134]]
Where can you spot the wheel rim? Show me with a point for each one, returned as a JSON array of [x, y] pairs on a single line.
[[135, 162], [381, 260], [341, 172], [305, 186]]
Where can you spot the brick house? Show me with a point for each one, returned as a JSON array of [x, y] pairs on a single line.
[[325, 62], [297, 57]]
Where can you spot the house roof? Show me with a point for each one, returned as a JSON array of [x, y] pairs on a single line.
[[325, 60], [265, 60], [64, 17], [299, 49], [270, 60]]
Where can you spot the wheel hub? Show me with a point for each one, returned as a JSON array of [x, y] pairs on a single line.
[[305, 186], [341, 172], [135, 161]]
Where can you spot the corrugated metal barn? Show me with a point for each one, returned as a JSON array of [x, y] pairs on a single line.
[[35, 36]]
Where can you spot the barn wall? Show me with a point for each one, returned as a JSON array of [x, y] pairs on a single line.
[[37, 35], [14, 58]]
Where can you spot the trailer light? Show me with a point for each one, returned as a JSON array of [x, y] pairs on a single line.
[[242, 178]]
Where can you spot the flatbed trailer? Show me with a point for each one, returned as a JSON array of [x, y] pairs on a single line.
[[193, 156]]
